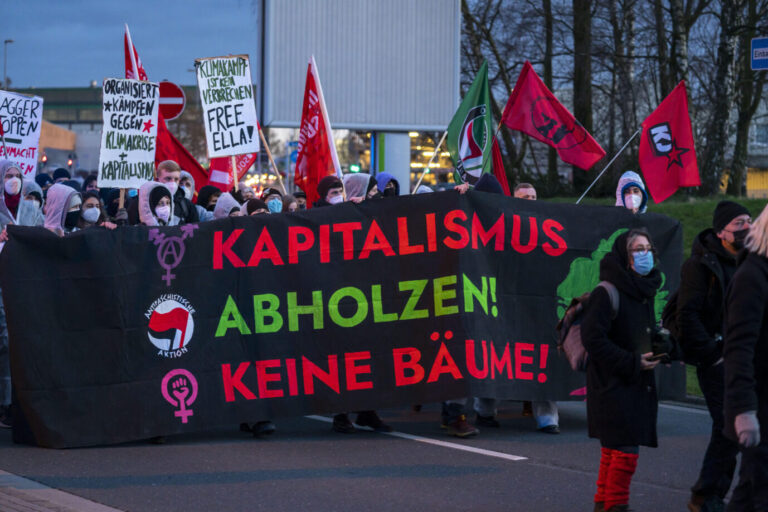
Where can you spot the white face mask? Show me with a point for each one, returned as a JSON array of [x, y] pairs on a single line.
[[189, 193], [33, 203], [173, 187], [90, 214], [634, 201], [336, 199], [13, 186], [163, 213]]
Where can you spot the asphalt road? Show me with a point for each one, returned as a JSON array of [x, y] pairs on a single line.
[[307, 466]]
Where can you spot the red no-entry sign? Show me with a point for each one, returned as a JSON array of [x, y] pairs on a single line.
[[172, 100]]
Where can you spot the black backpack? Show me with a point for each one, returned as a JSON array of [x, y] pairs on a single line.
[[569, 327]]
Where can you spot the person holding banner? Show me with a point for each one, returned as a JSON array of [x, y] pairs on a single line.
[[622, 405], [360, 186], [169, 173], [62, 209], [91, 212], [301, 198], [274, 199], [330, 190], [388, 185], [155, 205], [254, 207], [745, 355]]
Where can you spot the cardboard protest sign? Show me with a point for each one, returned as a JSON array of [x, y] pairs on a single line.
[[128, 138], [21, 120], [229, 113], [414, 299]]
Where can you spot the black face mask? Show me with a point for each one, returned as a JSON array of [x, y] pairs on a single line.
[[377, 195], [390, 192], [70, 221], [211, 207], [302, 206], [739, 237]]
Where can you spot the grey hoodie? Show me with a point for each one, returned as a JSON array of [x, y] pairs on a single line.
[[27, 214], [356, 184], [631, 179], [57, 205], [145, 212], [224, 206]]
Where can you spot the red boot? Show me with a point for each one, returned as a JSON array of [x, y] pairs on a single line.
[[620, 473], [602, 476]]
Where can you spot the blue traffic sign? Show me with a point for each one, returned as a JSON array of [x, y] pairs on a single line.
[[759, 52]]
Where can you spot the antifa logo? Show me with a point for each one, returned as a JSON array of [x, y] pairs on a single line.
[[170, 249], [171, 325], [548, 123], [663, 144], [473, 139]]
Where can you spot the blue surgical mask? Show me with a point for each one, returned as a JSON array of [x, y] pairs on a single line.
[[643, 262], [275, 205], [132, 192]]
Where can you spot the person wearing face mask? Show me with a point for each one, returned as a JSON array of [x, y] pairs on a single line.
[[622, 405], [301, 198], [331, 191], [62, 209], [187, 185], [630, 192], [290, 205], [207, 197], [246, 192], [387, 184], [745, 357], [155, 205], [254, 207], [274, 199], [226, 206], [169, 173], [705, 277], [91, 212], [357, 186]]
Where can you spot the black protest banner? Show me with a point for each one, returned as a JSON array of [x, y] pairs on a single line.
[[128, 137], [229, 112], [137, 332], [21, 122]]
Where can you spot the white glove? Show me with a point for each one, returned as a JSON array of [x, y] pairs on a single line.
[[747, 429]]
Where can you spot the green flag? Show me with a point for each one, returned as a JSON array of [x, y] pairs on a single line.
[[470, 133]]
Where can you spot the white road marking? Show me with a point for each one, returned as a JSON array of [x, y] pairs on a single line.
[[694, 410], [19, 493], [444, 444]]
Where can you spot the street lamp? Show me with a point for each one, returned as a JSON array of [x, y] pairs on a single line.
[[5, 61]]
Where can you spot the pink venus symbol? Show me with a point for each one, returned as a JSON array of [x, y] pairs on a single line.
[[183, 392]]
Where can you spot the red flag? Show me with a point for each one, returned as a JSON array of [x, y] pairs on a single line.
[[498, 168], [667, 156], [221, 170], [168, 146], [533, 109], [317, 152]]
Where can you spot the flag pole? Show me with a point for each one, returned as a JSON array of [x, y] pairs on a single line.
[[121, 200], [608, 165], [272, 160], [234, 171], [434, 154]]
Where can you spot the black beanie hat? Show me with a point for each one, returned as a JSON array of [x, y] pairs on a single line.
[[255, 204], [725, 212], [157, 194], [43, 179], [299, 193], [61, 173], [489, 183], [327, 184]]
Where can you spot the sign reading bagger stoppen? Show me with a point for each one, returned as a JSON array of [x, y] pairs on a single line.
[[128, 137], [229, 112], [21, 121]]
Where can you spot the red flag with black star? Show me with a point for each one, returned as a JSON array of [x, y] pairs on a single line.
[[667, 156]]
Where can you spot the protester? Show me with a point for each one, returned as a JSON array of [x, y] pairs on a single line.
[[254, 207], [274, 199], [60, 175], [44, 181], [246, 192], [301, 198], [746, 368], [33, 200], [169, 174], [73, 184], [226, 206], [387, 184], [155, 205], [290, 204], [62, 209], [91, 212], [331, 191], [187, 184], [359, 186], [207, 197], [525, 191], [90, 183], [630, 192], [621, 389], [700, 314]]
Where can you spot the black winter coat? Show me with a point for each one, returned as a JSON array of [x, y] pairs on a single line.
[[700, 301], [621, 399], [746, 344]]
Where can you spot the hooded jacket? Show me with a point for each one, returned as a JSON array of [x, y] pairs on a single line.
[[356, 184], [225, 205], [631, 179], [57, 203], [145, 211], [383, 178], [185, 211], [621, 399], [701, 299], [26, 214]]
